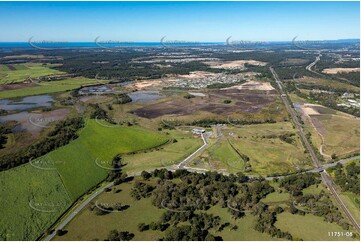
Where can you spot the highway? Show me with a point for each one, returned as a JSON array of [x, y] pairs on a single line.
[[325, 177], [309, 67], [314, 63]]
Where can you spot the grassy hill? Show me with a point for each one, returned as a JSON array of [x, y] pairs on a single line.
[[34, 197]]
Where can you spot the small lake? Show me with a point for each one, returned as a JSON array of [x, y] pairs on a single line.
[[144, 96], [34, 122], [27, 103]]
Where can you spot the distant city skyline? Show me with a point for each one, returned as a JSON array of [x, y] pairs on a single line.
[[178, 21]]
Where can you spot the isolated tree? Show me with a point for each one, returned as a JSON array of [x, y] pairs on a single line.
[[61, 232], [146, 175]]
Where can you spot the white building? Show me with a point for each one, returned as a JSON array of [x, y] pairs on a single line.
[[198, 131]]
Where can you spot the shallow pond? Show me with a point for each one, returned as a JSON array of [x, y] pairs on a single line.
[[144, 96], [27, 103], [34, 122]]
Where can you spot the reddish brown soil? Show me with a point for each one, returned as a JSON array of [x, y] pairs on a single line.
[[11, 67], [244, 101], [16, 86]]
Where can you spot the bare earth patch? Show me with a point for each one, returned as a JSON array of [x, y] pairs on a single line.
[[141, 85], [24, 56], [309, 109], [17, 86], [198, 74], [336, 70], [245, 101], [253, 85], [237, 64], [144, 84]]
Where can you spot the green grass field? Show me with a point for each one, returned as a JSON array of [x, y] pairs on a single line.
[[167, 155], [79, 163], [89, 226], [341, 134], [326, 83], [352, 202], [23, 72], [49, 87], [309, 227], [31, 199], [228, 156], [268, 155], [4, 68], [73, 172], [276, 198], [222, 157], [245, 225]]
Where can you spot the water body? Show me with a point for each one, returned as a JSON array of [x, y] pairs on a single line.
[[100, 44], [95, 90], [22, 120], [27, 103], [144, 96], [34, 122]]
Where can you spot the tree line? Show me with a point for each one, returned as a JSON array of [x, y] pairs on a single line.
[[63, 132]]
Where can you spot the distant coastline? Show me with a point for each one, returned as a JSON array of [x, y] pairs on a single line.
[[149, 44]]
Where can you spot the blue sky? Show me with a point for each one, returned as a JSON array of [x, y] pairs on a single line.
[[187, 21]]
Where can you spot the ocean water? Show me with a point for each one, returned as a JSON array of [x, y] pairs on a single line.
[[69, 45]]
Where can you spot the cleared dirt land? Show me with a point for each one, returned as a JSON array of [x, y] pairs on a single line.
[[243, 101], [338, 132], [253, 85], [337, 70], [237, 64]]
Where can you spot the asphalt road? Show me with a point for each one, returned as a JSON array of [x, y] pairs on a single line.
[[76, 211], [325, 178], [194, 154], [313, 63]]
